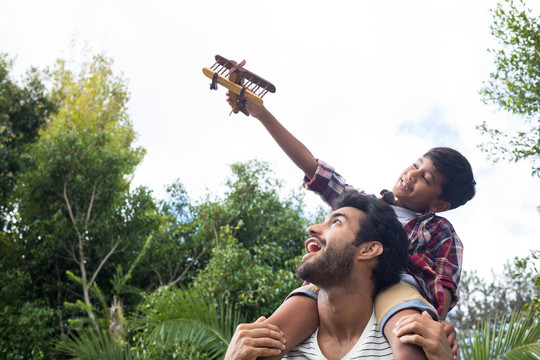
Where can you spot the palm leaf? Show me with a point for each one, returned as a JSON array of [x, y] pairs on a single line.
[[181, 317], [516, 337], [94, 345]]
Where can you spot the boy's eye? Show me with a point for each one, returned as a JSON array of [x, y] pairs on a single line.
[[415, 165], [427, 180]]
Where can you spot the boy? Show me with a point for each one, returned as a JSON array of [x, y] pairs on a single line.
[[440, 180]]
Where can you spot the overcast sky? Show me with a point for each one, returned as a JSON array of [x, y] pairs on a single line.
[[368, 86]]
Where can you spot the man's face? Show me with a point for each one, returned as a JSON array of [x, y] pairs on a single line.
[[419, 185], [330, 249]]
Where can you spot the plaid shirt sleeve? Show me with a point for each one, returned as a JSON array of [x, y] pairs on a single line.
[[436, 259], [327, 183]]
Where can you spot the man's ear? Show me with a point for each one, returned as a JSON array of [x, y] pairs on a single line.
[[439, 206], [370, 249]]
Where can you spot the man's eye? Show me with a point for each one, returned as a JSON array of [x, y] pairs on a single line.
[[415, 166]]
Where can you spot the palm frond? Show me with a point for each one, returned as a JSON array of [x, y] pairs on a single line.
[[94, 345], [181, 317], [516, 337]]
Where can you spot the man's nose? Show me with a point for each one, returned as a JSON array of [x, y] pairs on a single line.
[[314, 229]]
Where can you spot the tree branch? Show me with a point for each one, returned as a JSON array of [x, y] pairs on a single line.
[[70, 211], [188, 267], [92, 197], [103, 261]]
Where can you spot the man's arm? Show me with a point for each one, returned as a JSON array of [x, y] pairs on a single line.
[[254, 340], [297, 317], [294, 149]]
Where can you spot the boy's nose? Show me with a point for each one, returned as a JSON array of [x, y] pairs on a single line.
[[412, 174]]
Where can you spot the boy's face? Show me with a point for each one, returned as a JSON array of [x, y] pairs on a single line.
[[419, 186]]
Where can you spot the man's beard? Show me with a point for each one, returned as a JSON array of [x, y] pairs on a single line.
[[331, 267]]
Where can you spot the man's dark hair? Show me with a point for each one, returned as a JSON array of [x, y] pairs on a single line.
[[458, 185], [380, 224]]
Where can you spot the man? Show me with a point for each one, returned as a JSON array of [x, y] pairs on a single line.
[[358, 249]]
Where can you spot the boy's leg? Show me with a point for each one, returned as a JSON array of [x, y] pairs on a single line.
[[400, 350], [391, 305], [297, 317]]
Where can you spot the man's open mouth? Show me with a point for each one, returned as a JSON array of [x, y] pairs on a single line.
[[312, 245]]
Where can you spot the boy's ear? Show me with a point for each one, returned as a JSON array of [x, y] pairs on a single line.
[[370, 249], [439, 206]]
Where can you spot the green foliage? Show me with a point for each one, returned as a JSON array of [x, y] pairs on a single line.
[[515, 84], [23, 111], [259, 240], [178, 324], [27, 323], [517, 337], [266, 219], [251, 228], [235, 274], [185, 237], [77, 223], [94, 345], [254, 240], [508, 291], [27, 330], [85, 153], [76, 211], [527, 270]]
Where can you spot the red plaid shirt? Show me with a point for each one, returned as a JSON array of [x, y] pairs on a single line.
[[436, 253]]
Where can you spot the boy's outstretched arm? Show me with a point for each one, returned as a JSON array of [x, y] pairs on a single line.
[[294, 149], [297, 317]]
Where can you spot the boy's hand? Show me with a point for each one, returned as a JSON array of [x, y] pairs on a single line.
[[254, 340], [252, 109], [423, 331], [452, 338]]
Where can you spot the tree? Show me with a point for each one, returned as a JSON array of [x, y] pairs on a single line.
[[23, 111], [78, 181], [242, 273], [260, 238], [185, 238], [236, 275], [513, 289], [75, 213], [514, 86], [254, 239], [527, 270], [251, 224]]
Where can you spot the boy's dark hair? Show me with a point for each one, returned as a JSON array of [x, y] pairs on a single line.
[[458, 185], [380, 224]]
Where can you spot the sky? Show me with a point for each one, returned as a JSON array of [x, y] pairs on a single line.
[[368, 86]]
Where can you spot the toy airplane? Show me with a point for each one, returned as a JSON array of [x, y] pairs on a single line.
[[243, 85]]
